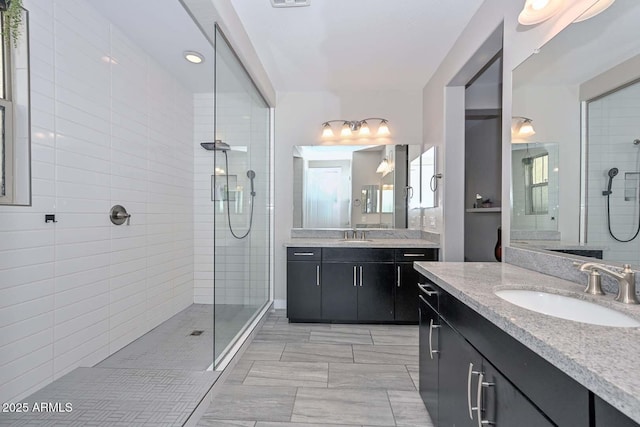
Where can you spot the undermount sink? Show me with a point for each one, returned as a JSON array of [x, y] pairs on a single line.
[[566, 307]]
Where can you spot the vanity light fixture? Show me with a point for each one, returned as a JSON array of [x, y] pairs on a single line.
[[383, 167], [521, 128], [349, 127], [193, 56], [537, 11], [597, 8]]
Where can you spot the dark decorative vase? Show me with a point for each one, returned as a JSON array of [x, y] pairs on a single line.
[[497, 252]]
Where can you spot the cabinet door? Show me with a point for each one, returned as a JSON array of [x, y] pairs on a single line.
[[339, 291], [429, 356], [608, 416], [375, 292], [459, 369], [502, 404], [303, 290], [406, 293]]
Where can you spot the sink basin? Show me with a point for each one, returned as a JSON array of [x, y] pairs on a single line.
[[567, 308]]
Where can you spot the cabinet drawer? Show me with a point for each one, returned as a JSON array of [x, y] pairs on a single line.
[[429, 293], [304, 254], [357, 255], [416, 254]]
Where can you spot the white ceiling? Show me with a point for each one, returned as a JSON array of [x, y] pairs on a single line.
[[358, 45]]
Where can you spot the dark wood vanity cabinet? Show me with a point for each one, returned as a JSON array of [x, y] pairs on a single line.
[[405, 290], [468, 386], [608, 416], [303, 269], [357, 284], [368, 285]]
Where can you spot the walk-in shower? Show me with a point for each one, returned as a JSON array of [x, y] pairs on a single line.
[[218, 145]]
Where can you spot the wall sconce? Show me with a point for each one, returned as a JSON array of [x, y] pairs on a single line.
[[349, 127], [537, 11], [521, 128], [383, 167], [597, 8]]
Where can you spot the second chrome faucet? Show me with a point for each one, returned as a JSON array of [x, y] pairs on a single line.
[[626, 281]]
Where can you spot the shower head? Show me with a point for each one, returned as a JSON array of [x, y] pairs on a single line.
[[216, 145], [251, 174], [612, 172]]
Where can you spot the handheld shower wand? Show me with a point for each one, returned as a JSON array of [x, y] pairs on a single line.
[[612, 174], [219, 145], [251, 174]]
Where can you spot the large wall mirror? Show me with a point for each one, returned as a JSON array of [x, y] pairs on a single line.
[[357, 186], [577, 178]]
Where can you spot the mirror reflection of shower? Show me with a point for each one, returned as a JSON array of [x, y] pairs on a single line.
[[612, 173], [219, 145]]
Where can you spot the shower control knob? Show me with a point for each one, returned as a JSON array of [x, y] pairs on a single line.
[[119, 215]]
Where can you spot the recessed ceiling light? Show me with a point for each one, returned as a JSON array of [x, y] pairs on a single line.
[[193, 57], [536, 11]]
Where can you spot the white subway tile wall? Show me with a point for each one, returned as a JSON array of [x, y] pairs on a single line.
[[241, 266], [614, 123], [109, 126]]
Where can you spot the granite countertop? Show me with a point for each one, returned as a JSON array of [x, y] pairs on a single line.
[[372, 243], [603, 359], [558, 244]]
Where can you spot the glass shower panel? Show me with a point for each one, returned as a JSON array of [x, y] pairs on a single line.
[[240, 194]]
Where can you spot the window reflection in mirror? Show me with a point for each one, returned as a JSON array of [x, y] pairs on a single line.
[[15, 146], [534, 180]]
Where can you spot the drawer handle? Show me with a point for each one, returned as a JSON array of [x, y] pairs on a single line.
[[317, 275], [471, 372], [354, 275], [424, 289], [431, 328], [413, 255], [478, 407], [303, 254]]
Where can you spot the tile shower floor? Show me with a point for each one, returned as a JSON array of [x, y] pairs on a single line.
[[309, 375], [157, 380]]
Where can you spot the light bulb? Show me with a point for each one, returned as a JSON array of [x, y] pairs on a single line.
[[539, 4], [327, 132], [364, 129], [383, 129], [346, 129], [526, 129]]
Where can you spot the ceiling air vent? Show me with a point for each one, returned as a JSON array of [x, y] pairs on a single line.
[[290, 3]]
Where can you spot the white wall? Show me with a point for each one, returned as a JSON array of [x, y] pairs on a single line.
[[443, 131], [299, 116], [73, 292]]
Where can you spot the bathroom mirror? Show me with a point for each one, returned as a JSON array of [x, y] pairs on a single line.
[[580, 94], [338, 186]]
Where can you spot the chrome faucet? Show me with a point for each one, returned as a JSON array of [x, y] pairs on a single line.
[[626, 281]]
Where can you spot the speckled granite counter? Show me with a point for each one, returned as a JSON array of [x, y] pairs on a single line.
[[602, 359], [373, 243]]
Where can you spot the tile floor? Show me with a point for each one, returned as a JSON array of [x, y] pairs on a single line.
[[158, 380], [309, 375]]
